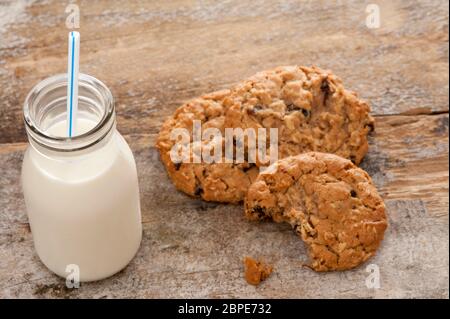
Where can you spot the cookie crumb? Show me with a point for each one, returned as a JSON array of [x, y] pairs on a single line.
[[256, 271]]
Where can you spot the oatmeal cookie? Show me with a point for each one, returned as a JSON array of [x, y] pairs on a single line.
[[221, 182], [330, 203], [309, 106]]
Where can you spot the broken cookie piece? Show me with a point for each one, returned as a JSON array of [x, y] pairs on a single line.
[[256, 271], [330, 203]]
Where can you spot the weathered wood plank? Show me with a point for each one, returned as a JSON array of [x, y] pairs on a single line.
[[408, 159], [193, 248], [154, 55]]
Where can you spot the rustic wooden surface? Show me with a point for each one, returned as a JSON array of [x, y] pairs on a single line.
[[155, 54]]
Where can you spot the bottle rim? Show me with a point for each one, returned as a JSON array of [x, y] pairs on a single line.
[[78, 142]]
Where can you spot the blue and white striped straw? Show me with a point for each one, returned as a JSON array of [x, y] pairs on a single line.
[[72, 87]]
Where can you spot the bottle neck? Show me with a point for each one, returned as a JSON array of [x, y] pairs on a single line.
[[45, 107], [59, 154]]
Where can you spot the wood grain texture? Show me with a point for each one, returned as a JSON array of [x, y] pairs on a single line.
[[155, 55], [193, 248]]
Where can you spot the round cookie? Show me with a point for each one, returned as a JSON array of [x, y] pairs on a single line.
[[331, 204], [309, 106]]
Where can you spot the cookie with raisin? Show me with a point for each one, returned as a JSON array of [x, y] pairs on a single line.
[[331, 204], [309, 108]]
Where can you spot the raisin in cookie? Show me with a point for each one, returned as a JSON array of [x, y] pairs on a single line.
[[331, 204], [309, 106]]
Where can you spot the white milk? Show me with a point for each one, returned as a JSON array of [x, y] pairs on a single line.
[[60, 128], [83, 208]]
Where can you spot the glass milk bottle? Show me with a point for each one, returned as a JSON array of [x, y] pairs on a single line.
[[81, 193]]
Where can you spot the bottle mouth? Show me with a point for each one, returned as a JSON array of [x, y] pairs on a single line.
[[46, 104]]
